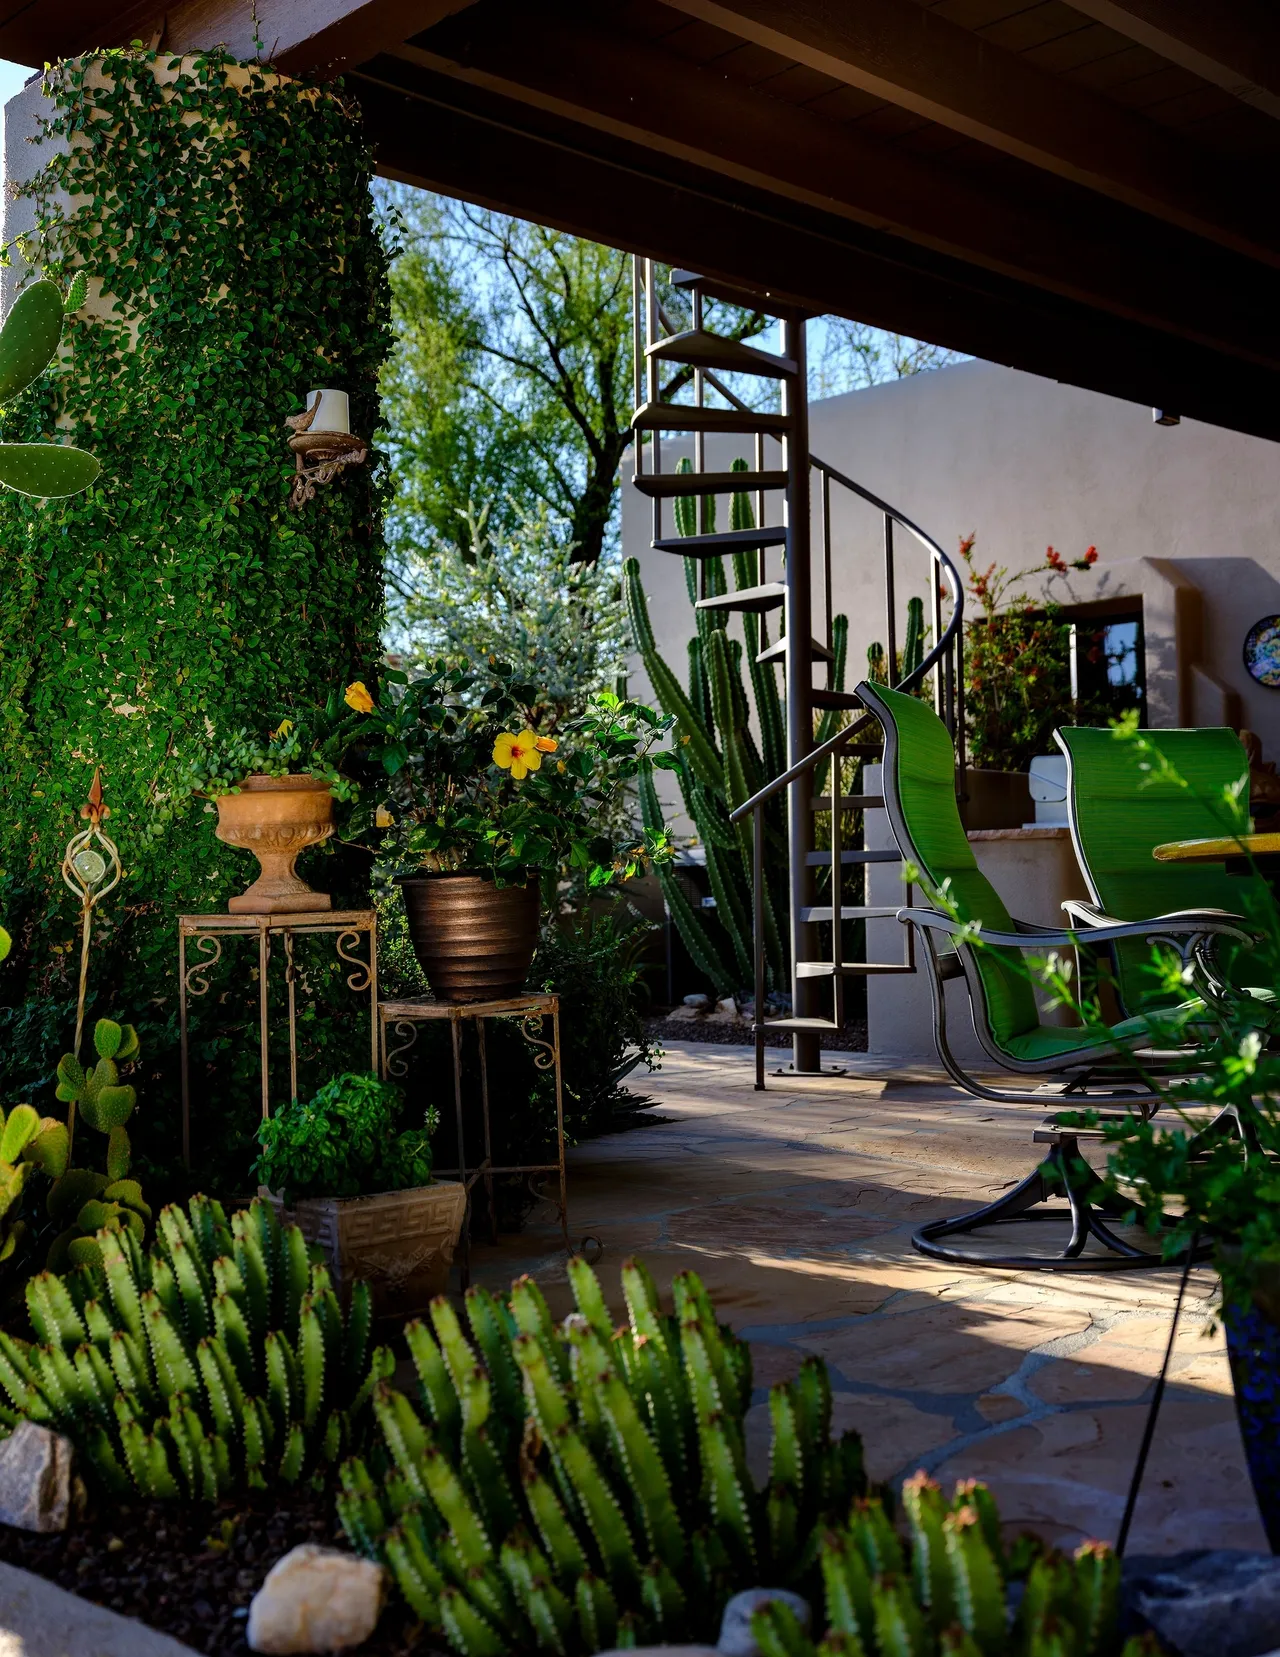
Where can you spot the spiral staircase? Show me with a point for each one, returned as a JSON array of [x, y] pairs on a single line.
[[797, 495]]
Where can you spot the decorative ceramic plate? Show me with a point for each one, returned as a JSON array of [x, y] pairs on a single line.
[[1262, 651]]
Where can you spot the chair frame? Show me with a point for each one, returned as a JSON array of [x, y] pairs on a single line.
[[1064, 1170]]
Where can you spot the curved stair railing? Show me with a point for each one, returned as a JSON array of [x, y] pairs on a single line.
[[943, 661], [700, 358]]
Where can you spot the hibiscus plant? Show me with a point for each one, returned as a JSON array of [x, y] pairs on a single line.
[[314, 743], [469, 784]]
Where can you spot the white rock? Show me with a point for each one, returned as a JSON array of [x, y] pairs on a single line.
[[35, 1478], [728, 1007], [697, 1002], [316, 1599], [736, 1638]]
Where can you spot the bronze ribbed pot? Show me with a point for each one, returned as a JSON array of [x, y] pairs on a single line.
[[277, 818], [474, 940]]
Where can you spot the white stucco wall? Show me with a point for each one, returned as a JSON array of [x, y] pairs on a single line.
[[1025, 463]]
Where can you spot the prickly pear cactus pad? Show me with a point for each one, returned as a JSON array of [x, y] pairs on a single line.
[[217, 1360], [215, 220], [570, 1487]]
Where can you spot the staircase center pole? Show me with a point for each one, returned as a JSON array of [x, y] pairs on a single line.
[[806, 1045]]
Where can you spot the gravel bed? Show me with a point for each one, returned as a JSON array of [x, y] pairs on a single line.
[[852, 1039], [191, 1570]]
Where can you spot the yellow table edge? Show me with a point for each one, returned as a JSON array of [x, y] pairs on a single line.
[[1215, 851]]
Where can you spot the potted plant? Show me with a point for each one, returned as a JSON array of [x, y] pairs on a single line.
[[1017, 684], [274, 796], [482, 814], [359, 1187]]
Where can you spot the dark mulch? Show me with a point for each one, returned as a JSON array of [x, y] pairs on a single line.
[[852, 1039], [192, 1570]]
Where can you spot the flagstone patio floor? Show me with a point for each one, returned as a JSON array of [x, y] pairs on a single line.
[[797, 1205]]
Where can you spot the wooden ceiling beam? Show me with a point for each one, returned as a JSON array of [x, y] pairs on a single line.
[[312, 37], [1084, 248], [445, 136], [1235, 46], [909, 56]]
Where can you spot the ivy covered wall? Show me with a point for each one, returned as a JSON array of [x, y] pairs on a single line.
[[224, 215]]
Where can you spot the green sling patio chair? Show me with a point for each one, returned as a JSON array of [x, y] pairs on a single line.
[[920, 799], [1119, 814]]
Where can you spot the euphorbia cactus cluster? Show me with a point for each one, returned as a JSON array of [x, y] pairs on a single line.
[[216, 1360], [944, 1593], [575, 1486]]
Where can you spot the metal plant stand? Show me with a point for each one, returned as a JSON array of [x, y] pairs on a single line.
[[399, 1020], [208, 931]]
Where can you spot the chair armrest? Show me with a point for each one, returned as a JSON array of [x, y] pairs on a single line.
[[1091, 916], [1172, 926]]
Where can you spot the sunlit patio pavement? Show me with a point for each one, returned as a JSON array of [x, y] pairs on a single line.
[[797, 1205]]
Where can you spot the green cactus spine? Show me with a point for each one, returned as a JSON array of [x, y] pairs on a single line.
[[28, 341], [947, 1599], [151, 1369], [616, 1504]]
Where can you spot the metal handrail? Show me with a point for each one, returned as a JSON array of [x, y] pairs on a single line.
[[911, 680]]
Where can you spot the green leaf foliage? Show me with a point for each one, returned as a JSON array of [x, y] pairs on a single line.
[[226, 217], [345, 1142]]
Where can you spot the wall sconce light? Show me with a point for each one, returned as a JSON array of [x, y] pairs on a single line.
[[322, 443], [1162, 417]]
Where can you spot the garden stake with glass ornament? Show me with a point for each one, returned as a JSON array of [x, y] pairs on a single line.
[[89, 859]]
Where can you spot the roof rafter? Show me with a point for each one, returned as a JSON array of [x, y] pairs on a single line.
[[443, 135], [1084, 248], [898, 51], [1236, 47]]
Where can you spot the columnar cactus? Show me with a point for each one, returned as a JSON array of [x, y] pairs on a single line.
[[943, 1593], [28, 341], [574, 1487], [724, 762], [216, 1360]]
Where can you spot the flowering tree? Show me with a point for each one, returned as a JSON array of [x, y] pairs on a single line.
[[1017, 666]]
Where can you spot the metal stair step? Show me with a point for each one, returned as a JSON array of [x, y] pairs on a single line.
[[822, 698], [666, 484], [850, 912], [848, 969], [728, 540], [698, 349], [732, 294], [848, 802], [772, 596], [797, 1024], [686, 417], [822, 860], [818, 652]]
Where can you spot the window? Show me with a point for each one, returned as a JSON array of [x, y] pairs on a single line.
[[1107, 666]]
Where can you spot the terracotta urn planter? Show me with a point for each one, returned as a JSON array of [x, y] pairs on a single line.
[[474, 940], [276, 818], [401, 1243]]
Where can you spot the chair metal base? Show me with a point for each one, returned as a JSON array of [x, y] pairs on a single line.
[[1063, 1173]]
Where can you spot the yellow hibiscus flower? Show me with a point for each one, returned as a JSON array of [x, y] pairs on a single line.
[[358, 697], [282, 729], [517, 754], [546, 745]]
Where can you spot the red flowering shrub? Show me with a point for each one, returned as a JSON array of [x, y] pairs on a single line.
[[1017, 678]]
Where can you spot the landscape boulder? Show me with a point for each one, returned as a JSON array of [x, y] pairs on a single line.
[[316, 1600], [35, 1479]]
